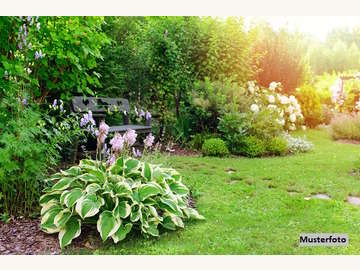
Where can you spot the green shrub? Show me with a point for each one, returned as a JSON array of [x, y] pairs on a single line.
[[198, 140], [310, 105], [297, 144], [344, 126], [215, 147], [252, 146], [128, 195], [277, 146]]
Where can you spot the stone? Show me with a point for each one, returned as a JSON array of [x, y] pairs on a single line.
[[353, 200], [321, 196]]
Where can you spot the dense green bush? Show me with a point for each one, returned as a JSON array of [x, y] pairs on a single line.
[[310, 105], [252, 146], [198, 140], [344, 126], [128, 195], [214, 147], [277, 146]]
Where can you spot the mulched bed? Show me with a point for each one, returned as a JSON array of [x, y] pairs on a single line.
[[22, 236]]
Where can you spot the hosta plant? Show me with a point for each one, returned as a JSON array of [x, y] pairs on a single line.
[[128, 195]]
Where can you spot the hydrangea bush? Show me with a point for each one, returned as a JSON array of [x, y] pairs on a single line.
[[271, 98]]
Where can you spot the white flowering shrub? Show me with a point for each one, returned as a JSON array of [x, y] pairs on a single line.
[[271, 98], [297, 145]]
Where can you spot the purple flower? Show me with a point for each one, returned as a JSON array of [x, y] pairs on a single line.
[[88, 118], [55, 103], [37, 18], [117, 143], [20, 46], [130, 137], [142, 113], [147, 115], [29, 46], [103, 131], [29, 18], [111, 160], [136, 152], [149, 140], [24, 102]]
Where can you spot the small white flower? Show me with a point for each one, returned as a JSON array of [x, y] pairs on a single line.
[[284, 100], [251, 87], [254, 108], [293, 99], [271, 99], [281, 121], [282, 113], [273, 85], [292, 118], [290, 109], [303, 127]]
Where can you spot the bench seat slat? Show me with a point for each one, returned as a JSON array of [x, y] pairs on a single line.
[[124, 128]]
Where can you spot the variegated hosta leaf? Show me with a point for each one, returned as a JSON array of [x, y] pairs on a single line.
[[63, 183], [192, 213], [87, 177], [177, 221], [73, 171], [123, 209], [88, 162], [135, 213], [121, 233], [70, 197], [71, 230], [118, 166], [146, 171], [171, 206], [89, 205], [107, 224], [47, 206], [179, 188], [122, 189], [55, 195], [168, 223], [47, 220], [62, 217], [93, 188], [131, 166], [148, 190], [152, 229]]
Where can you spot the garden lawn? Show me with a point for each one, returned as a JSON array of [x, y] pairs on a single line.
[[260, 207]]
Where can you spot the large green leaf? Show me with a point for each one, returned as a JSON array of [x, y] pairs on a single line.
[[89, 205], [123, 209], [168, 223], [122, 189], [135, 213], [62, 217], [121, 233], [54, 195], [118, 166], [147, 171], [107, 224], [72, 197], [71, 230], [131, 165], [148, 190], [47, 221], [179, 188], [63, 183], [93, 188], [73, 171], [87, 177], [171, 206], [192, 213]]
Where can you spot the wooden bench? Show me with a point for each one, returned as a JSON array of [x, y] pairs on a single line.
[[100, 106]]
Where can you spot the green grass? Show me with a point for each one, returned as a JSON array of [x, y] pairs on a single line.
[[260, 207]]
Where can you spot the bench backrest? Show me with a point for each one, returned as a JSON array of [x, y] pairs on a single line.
[[99, 105]]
